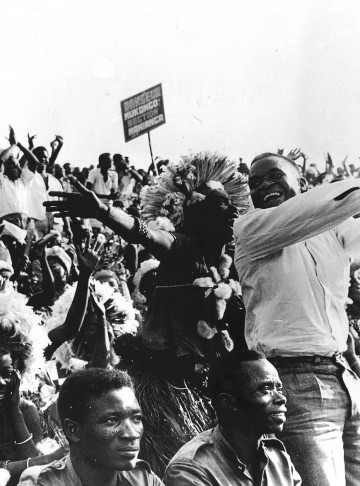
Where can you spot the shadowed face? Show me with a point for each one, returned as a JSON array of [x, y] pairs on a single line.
[[6, 376], [43, 158], [219, 215], [12, 168]]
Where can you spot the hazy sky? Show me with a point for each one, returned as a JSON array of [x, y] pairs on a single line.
[[240, 77]]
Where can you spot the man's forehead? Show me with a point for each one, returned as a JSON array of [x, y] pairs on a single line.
[[121, 398], [269, 162], [260, 370]]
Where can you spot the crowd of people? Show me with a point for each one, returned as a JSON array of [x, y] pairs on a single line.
[[208, 307]]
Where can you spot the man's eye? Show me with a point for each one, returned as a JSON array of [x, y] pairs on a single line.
[[276, 176], [111, 421], [137, 419], [254, 184]]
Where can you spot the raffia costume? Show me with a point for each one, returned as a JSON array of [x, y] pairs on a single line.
[[194, 314]]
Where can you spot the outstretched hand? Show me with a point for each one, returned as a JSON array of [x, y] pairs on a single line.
[[31, 141], [294, 154], [58, 140], [83, 204], [89, 257], [12, 137]]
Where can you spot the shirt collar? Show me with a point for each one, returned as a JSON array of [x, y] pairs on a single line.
[[263, 442]]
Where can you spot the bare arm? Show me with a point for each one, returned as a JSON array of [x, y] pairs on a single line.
[[75, 317], [85, 204], [351, 356], [28, 154], [102, 351], [346, 168], [56, 146], [23, 439], [16, 468]]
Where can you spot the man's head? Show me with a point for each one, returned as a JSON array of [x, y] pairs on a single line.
[[117, 159], [58, 171], [12, 168], [247, 393], [101, 418], [105, 161], [212, 216], [109, 277], [43, 157], [274, 179], [67, 168]]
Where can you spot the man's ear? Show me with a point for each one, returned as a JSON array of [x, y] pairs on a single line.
[[71, 430], [304, 186], [228, 401]]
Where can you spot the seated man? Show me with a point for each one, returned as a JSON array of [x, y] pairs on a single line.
[[103, 423], [247, 395]]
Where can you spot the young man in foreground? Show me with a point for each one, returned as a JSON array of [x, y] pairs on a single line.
[[102, 421]]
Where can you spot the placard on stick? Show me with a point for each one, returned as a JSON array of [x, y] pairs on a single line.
[[143, 112]]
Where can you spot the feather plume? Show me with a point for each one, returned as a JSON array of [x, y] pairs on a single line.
[[178, 181]]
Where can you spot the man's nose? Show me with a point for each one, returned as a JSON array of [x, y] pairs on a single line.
[[129, 431], [279, 397], [266, 183]]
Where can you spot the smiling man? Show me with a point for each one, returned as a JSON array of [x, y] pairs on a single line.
[[102, 421], [293, 259], [247, 395]]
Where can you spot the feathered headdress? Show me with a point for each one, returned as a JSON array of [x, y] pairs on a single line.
[[22, 334], [181, 184]]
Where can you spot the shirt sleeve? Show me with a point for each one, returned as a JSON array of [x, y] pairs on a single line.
[[186, 474], [348, 234], [114, 184], [91, 176], [263, 232]]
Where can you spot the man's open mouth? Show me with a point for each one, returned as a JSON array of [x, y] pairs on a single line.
[[272, 196]]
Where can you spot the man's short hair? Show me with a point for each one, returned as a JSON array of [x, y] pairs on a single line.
[[266, 155], [83, 386], [104, 158], [225, 375], [37, 151]]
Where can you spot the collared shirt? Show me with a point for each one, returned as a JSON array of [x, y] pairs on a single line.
[[62, 473], [37, 194], [293, 266], [13, 197], [99, 186], [209, 460]]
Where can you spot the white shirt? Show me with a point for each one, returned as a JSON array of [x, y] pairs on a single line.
[[126, 185], [13, 196], [37, 192], [99, 186], [293, 266]]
